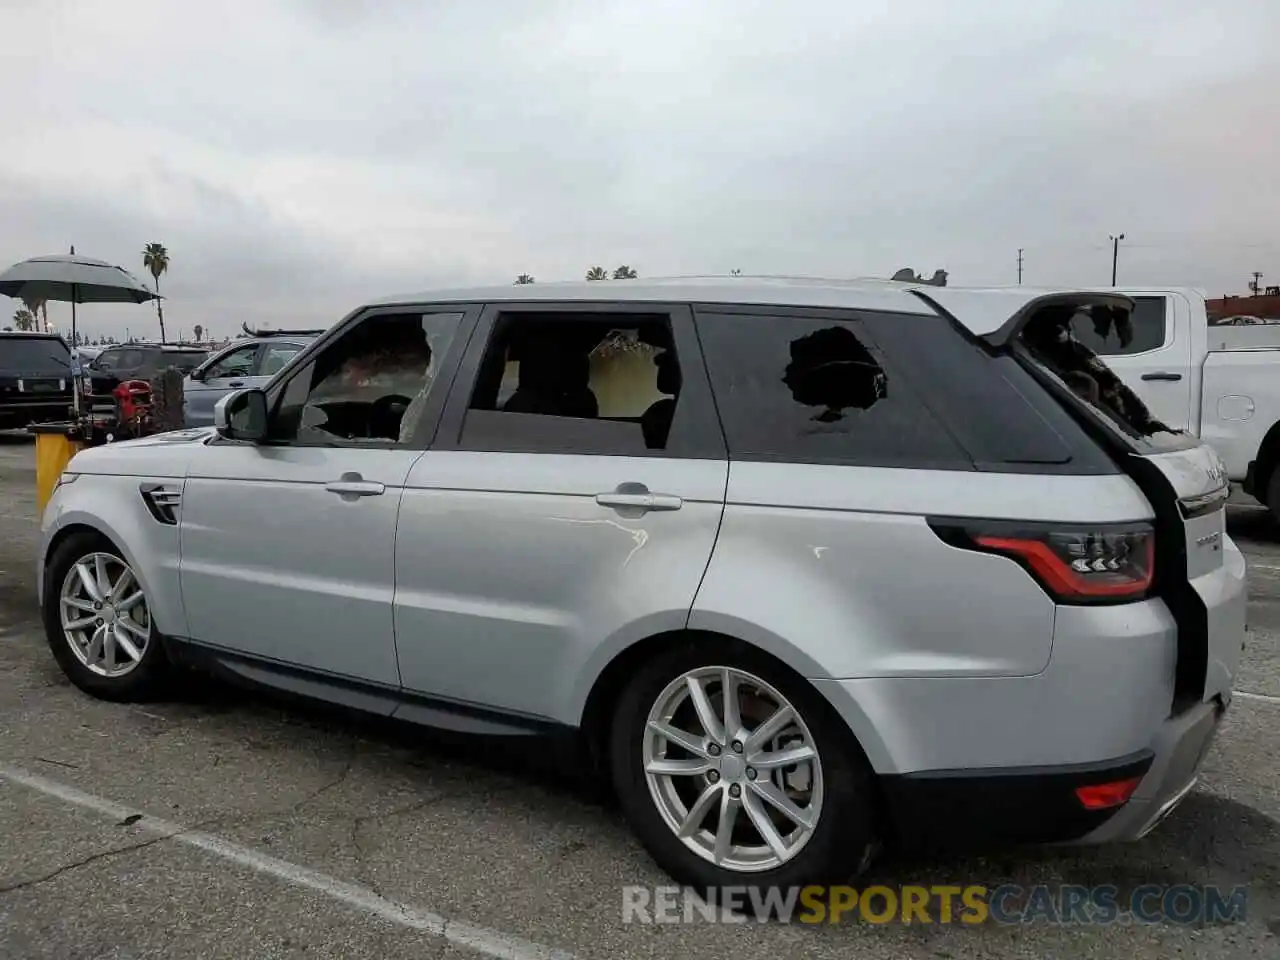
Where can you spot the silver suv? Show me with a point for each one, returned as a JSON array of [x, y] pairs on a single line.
[[800, 567]]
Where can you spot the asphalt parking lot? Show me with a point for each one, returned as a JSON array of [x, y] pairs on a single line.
[[268, 830]]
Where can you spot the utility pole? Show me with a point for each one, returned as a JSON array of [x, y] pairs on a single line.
[[1256, 286], [1019, 266], [1115, 256]]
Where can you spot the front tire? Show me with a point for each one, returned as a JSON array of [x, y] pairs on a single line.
[[775, 793], [98, 622]]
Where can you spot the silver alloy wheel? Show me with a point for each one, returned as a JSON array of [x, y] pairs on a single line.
[[752, 753], [104, 614]]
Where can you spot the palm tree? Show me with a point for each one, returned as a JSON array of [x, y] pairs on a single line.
[[156, 259], [597, 273], [524, 278], [198, 330], [35, 305], [624, 273], [24, 319]]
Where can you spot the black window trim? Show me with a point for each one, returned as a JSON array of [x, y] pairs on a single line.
[[705, 437], [430, 420], [1089, 465]]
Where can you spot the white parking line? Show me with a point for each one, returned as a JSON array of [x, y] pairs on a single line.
[[480, 939], [1263, 697]]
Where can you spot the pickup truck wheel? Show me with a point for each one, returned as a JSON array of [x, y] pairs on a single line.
[[735, 773], [98, 622]]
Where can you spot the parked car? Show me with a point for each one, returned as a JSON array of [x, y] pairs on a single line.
[[251, 362], [797, 567], [1219, 382], [138, 361], [35, 379]]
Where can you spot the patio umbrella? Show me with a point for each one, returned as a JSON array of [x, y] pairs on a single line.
[[73, 279]]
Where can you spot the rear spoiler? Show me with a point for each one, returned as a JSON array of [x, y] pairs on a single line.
[[279, 333], [986, 314]]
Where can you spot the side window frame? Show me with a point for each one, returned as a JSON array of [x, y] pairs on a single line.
[[256, 349], [430, 419], [701, 439]]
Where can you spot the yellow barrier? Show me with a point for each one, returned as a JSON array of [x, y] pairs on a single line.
[[55, 447]]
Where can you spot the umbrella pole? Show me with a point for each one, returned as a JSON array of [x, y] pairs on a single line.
[[75, 381]]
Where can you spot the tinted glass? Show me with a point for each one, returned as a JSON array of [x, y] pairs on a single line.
[[590, 383], [34, 355], [1145, 330], [806, 389]]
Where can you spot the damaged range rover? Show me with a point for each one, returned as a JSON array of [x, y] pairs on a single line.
[[801, 569]]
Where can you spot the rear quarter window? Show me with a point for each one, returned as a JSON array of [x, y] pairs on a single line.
[[881, 389]]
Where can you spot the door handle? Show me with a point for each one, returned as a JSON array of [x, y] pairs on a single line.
[[636, 496], [236, 383], [1162, 375], [349, 488]]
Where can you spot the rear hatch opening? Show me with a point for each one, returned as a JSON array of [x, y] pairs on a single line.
[[1182, 478]]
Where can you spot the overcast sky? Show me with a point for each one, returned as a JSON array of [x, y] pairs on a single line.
[[299, 156]]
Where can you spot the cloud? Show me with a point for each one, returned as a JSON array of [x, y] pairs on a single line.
[[299, 156]]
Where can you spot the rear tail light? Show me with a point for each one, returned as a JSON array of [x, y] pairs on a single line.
[[1104, 796], [1107, 564]]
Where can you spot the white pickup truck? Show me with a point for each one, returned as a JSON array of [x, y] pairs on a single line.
[[1221, 383]]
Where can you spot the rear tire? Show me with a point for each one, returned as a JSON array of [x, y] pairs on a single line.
[[1273, 494], [98, 622], [722, 776]]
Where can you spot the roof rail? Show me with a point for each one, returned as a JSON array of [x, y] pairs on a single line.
[[278, 333]]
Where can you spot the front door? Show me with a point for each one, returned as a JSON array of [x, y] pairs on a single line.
[[287, 547], [567, 508]]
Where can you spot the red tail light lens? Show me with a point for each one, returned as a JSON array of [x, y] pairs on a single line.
[[1103, 796], [1109, 564]]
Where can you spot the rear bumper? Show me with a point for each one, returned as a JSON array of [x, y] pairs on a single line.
[[1039, 805], [55, 407]]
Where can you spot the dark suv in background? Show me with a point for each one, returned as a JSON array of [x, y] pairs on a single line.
[[139, 361], [35, 379]]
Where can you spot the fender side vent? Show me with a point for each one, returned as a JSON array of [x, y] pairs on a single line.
[[162, 500]]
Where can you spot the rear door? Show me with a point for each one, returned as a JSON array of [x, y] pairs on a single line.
[[1152, 355], [567, 508]]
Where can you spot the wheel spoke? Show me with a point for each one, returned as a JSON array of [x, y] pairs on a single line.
[[129, 602], [88, 582], [678, 768], [681, 738], [121, 585], [729, 694], [108, 650], [93, 651], [759, 818], [698, 812], [100, 576], [121, 638], [77, 604], [787, 757], [783, 804], [80, 624], [706, 713], [139, 631], [724, 829], [776, 723]]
